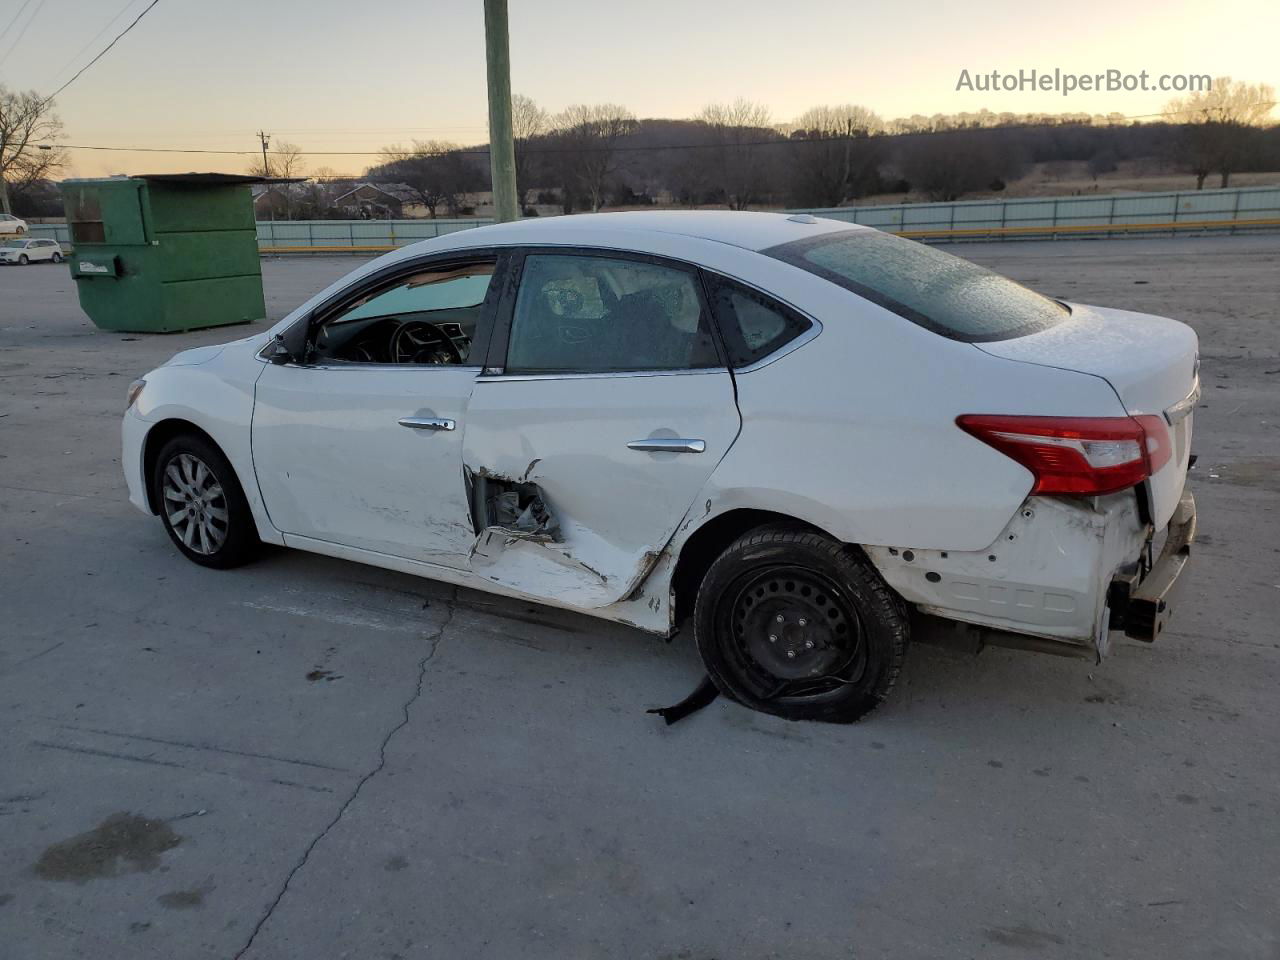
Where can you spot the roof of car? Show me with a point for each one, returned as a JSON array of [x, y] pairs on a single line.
[[748, 230]]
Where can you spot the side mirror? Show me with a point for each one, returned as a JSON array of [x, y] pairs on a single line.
[[280, 354]]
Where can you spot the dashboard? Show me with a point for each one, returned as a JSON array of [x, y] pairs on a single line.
[[399, 340]]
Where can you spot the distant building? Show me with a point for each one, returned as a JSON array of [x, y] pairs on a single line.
[[278, 201], [378, 201]]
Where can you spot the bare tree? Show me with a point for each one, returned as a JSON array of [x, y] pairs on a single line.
[[834, 157], [1220, 125], [583, 143], [944, 166], [288, 160], [436, 171], [738, 129], [29, 131], [528, 122], [285, 161]]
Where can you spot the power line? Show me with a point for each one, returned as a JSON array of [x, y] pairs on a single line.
[[646, 147], [96, 37], [21, 33], [103, 53], [9, 26]]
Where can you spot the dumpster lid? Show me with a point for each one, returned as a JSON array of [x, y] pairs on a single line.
[[212, 178]]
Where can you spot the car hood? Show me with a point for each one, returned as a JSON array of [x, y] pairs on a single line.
[[196, 355]]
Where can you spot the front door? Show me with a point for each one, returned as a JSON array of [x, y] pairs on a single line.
[[610, 411], [361, 444]]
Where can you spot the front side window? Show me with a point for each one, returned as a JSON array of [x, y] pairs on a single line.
[[945, 294], [429, 317], [588, 314]]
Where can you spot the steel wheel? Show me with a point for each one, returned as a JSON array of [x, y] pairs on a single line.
[[791, 622], [796, 634], [195, 504]]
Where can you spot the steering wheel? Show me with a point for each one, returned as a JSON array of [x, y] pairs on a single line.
[[418, 341]]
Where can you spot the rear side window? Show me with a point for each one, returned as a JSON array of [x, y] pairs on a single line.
[[752, 325], [936, 290]]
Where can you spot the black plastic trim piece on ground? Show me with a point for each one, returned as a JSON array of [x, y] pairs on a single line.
[[703, 694]]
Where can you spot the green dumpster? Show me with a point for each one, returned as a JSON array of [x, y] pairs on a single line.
[[162, 253]]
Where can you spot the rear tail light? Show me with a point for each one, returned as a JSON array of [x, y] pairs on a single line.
[[1081, 456]]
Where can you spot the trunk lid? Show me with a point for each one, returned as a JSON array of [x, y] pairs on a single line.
[[1151, 362]]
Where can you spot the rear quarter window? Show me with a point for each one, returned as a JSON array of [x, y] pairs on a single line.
[[938, 291], [752, 325]]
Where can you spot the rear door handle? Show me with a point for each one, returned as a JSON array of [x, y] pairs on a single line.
[[668, 445], [427, 423]]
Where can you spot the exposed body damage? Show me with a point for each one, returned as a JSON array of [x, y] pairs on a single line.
[[1046, 575], [523, 543]]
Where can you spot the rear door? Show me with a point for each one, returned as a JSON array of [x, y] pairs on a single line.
[[603, 409]]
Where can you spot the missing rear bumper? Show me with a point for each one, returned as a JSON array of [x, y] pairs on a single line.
[[1143, 608]]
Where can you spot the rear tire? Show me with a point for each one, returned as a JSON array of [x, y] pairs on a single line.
[[56, 258], [792, 623], [202, 504]]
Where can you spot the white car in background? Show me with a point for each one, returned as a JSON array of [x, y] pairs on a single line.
[[11, 224], [30, 250], [801, 436]]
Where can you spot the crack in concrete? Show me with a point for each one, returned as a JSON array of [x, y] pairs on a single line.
[[434, 640]]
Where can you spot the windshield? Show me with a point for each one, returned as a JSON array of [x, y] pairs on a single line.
[[936, 290], [15, 243]]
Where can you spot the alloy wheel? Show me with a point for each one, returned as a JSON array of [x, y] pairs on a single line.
[[195, 504]]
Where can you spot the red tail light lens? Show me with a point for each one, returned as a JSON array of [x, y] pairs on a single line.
[[1081, 456]]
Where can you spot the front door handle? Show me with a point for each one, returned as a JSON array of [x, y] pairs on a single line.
[[427, 423], [668, 445]]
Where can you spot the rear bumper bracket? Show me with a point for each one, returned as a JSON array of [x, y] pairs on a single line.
[[1142, 609]]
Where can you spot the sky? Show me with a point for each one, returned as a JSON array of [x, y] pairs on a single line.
[[331, 75]]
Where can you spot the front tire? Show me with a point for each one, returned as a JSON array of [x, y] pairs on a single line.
[[202, 505], [792, 623], [23, 260]]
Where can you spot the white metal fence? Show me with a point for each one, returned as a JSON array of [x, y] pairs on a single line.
[[1035, 218], [1175, 212], [321, 236], [285, 236]]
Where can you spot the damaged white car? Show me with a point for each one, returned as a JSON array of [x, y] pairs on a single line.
[[803, 437]]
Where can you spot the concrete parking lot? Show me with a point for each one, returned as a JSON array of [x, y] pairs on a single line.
[[309, 758]]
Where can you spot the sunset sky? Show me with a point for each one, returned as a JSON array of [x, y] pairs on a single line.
[[339, 76]]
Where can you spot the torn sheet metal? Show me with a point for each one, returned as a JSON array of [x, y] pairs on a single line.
[[522, 511]]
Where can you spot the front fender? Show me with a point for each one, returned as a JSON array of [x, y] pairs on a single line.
[[216, 396]]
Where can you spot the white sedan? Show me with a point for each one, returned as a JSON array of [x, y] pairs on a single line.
[[803, 437], [11, 224], [30, 250]]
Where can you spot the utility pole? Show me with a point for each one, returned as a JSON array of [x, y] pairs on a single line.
[[502, 154], [266, 169]]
